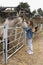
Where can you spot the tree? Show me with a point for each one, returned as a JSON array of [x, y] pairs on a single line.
[[34, 12], [40, 11], [22, 6]]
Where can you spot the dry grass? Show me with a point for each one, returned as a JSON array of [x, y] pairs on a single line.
[[23, 58]]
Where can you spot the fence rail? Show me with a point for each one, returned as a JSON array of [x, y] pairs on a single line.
[[5, 42]]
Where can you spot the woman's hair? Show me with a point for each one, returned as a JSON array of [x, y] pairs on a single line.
[[31, 23]]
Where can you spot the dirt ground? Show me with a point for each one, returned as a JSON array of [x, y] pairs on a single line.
[[23, 58]]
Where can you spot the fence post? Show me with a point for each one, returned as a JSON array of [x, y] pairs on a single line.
[[15, 33], [5, 32], [24, 33]]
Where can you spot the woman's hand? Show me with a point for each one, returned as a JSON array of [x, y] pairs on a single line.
[[33, 29]]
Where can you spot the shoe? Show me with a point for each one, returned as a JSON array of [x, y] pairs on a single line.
[[30, 52]]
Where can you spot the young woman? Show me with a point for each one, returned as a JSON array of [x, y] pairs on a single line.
[[30, 36], [24, 24], [29, 30]]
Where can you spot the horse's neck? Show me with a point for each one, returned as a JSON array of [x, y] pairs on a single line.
[[13, 22]]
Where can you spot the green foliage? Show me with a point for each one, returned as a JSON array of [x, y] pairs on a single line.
[[34, 12], [40, 11], [22, 6]]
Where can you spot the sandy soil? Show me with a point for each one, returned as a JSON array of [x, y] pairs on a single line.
[[23, 58]]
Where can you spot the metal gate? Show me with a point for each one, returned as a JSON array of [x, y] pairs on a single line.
[[1, 44], [14, 38]]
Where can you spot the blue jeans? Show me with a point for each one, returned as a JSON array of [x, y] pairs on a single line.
[[30, 45]]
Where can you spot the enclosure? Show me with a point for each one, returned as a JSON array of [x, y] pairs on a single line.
[[13, 39], [11, 42]]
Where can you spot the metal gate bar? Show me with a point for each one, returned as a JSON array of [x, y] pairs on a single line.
[[5, 42]]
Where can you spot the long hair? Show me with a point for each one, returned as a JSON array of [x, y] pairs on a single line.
[[31, 23]]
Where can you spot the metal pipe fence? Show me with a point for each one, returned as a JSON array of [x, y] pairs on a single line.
[[11, 47], [16, 44]]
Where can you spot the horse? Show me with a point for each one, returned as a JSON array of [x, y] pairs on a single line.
[[10, 22]]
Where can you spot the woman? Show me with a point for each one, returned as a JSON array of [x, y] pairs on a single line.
[[24, 24], [29, 31], [30, 36]]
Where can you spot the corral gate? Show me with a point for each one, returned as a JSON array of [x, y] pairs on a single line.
[[11, 43], [14, 38]]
